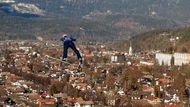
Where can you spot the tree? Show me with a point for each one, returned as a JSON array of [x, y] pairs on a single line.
[[110, 80], [172, 61], [53, 89], [30, 65], [57, 86], [170, 50], [105, 59], [125, 82], [184, 50], [7, 56]]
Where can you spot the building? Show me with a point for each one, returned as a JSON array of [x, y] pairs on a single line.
[[179, 59], [84, 104], [120, 58], [163, 59], [113, 58], [46, 102]]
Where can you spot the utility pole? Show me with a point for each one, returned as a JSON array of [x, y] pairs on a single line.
[[83, 32], [173, 41]]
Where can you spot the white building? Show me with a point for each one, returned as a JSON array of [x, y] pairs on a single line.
[[120, 58], [24, 48], [163, 59], [114, 59], [179, 59], [146, 63]]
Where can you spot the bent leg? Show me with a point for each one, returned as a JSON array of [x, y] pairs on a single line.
[[65, 50], [73, 47]]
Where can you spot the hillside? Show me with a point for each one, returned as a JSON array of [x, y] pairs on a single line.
[[110, 19], [163, 40], [13, 27], [175, 10]]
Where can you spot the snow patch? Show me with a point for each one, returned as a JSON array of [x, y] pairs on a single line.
[[28, 8], [7, 1]]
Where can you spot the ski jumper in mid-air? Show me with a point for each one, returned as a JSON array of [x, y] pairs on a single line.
[[68, 42]]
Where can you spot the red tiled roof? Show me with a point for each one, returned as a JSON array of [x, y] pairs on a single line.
[[33, 96], [21, 62], [74, 100], [164, 81], [147, 88], [20, 54], [16, 90], [70, 100], [151, 98], [25, 68], [79, 99], [49, 100], [172, 105]]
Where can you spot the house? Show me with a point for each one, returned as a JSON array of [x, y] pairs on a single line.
[[46, 101], [121, 92], [25, 69], [139, 103], [24, 48], [147, 79], [146, 63], [69, 100], [60, 95], [187, 82], [76, 79], [20, 55], [153, 100], [79, 102], [146, 88], [172, 105], [20, 63], [165, 81], [9, 102], [33, 97], [84, 104], [111, 100], [82, 86], [17, 90], [118, 58]]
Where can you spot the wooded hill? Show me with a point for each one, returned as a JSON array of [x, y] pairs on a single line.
[[163, 40]]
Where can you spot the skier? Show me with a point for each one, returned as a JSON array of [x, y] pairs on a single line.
[[68, 42]]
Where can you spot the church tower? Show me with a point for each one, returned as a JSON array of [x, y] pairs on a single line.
[[130, 50]]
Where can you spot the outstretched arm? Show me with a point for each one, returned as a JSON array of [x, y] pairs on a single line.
[[62, 39], [73, 39]]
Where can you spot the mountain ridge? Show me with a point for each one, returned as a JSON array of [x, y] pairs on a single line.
[[124, 18]]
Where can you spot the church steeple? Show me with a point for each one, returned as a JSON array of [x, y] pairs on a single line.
[[130, 49]]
